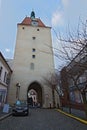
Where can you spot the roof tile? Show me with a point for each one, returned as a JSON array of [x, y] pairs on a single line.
[[28, 20]]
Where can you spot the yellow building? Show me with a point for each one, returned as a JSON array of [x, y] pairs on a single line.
[[31, 62]]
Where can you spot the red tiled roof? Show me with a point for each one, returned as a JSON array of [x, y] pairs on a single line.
[[27, 21]]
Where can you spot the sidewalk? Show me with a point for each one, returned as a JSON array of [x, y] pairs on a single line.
[[4, 114], [75, 112]]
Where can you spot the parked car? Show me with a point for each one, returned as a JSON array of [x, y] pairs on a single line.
[[20, 108]]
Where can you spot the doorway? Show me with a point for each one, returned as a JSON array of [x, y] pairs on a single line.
[[34, 94]]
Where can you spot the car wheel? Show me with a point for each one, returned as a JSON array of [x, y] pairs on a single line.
[[27, 113], [13, 114]]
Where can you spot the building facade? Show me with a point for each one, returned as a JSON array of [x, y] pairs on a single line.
[[33, 59], [5, 74], [74, 80]]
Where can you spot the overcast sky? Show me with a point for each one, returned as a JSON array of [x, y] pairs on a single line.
[[55, 13]]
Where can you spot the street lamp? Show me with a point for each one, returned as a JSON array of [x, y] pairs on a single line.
[[18, 90]]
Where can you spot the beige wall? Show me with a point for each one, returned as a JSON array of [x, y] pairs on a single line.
[[44, 62]]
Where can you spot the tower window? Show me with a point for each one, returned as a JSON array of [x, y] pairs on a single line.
[[33, 50], [33, 56], [1, 70], [22, 27], [38, 29], [33, 38], [5, 77], [32, 66]]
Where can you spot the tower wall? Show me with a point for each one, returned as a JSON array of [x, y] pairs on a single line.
[[32, 41]]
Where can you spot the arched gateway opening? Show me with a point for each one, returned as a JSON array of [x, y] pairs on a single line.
[[34, 92]]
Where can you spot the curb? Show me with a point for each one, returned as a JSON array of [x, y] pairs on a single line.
[[72, 116], [5, 116]]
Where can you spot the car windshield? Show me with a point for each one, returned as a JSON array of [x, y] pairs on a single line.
[[20, 103]]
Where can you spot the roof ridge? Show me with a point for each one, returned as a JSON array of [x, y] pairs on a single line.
[[28, 20]]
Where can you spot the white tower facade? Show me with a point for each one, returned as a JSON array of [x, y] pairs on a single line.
[[33, 59]]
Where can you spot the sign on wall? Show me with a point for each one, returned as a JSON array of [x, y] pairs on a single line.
[[6, 108]]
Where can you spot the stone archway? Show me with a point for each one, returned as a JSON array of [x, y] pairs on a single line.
[[38, 89]]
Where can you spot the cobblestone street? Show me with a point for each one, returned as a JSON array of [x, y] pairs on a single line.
[[41, 119]]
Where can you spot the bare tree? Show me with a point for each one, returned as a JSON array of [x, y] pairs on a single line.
[[74, 52], [72, 44], [52, 81]]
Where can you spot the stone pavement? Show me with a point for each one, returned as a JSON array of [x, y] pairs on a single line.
[[77, 113], [42, 119]]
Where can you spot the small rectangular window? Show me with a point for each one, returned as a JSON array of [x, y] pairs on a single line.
[[32, 66], [5, 77], [33, 50], [33, 38], [38, 29], [22, 27], [8, 79], [33, 56], [1, 70]]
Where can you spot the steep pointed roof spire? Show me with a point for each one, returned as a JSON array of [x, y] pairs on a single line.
[[32, 15], [32, 18]]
